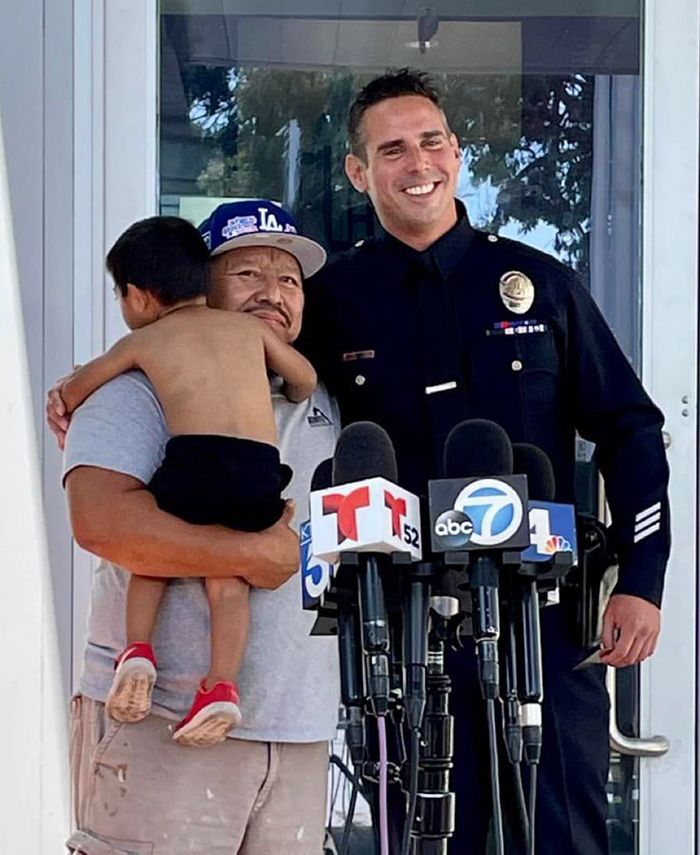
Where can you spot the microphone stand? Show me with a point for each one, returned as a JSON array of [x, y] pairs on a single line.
[[531, 689], [525, 607], [428, 623], [352, 692], [512, 723]]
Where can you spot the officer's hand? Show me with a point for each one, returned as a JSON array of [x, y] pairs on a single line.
[[631, 628]]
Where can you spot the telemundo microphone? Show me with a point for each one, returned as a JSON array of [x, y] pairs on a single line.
[[478, 511], [364, 516]]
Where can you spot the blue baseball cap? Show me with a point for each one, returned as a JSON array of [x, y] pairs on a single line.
[[260, 222]]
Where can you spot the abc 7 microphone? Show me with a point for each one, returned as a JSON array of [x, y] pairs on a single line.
[[478, 512]]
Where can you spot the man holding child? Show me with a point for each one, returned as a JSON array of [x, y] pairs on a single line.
[[263, 791]]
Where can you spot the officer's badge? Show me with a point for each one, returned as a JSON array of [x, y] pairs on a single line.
[[517, 292]]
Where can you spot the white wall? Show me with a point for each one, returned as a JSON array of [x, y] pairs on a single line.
[[36, 93]]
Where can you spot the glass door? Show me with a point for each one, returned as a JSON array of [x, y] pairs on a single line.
[[547, 109]]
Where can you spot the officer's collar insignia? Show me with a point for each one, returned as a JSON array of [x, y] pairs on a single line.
[[358, 354], [517, 292]]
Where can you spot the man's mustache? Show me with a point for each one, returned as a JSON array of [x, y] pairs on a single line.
[[274, 310]]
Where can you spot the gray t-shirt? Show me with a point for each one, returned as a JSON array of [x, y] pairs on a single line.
[[289, 680]]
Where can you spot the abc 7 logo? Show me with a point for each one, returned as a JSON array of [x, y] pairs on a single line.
[[454, 528]]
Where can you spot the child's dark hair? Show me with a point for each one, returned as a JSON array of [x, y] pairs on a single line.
[[165, 255]]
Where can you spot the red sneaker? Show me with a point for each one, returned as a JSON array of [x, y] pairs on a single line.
[[129, 699], [212, 716]]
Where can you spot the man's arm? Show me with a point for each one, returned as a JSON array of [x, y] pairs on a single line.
[[114, 516], [79, 385], [614, 411]]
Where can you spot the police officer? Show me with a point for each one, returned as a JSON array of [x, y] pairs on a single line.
[[433, 323]]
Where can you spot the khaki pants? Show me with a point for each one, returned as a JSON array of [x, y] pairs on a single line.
[[136, 792]]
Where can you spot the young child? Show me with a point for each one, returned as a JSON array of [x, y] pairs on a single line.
[[210, 372]]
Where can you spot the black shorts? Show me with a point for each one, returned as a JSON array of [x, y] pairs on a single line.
[[222, 480]]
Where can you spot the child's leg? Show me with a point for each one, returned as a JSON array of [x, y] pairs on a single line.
[[143, 600], [215, 710], [228, 604], [129, 699]]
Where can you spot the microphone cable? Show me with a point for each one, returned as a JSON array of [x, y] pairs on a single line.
[[347, 829], [512, 724], [383, 786], [532, 806], [357, 789], [522, 803], [495, 783], [412, 794]]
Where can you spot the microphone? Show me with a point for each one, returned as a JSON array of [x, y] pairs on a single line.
[[488, 512], [323, 475], [351, 674], [316, 574], [531, 461], [478, 447], [552, 525], [522, 628], [365, 511], [364, 450], [536, 466], [366, 514], [480, 507], [352, 692]]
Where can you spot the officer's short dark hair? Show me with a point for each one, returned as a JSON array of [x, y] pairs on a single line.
[[393, 84], [164, 255]]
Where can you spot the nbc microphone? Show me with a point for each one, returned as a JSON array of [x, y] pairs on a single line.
[[536, 466]]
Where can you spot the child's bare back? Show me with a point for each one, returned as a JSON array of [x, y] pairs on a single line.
[[209, 369]]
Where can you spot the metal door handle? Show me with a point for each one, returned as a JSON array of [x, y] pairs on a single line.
[[632, 746]]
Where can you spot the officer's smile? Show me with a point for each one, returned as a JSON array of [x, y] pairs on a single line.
[[418, 190]]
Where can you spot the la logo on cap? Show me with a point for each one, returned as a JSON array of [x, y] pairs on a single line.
[[268, 221]]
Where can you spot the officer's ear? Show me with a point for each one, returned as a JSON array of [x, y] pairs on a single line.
[[356, 170]]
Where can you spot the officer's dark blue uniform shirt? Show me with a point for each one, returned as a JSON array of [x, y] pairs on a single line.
[[419, 341]]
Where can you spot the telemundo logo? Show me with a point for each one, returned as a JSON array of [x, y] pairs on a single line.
[[454, 529], [494, 508]]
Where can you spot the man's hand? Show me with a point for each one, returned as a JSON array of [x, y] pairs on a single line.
[[57, 418], [631, 628], [282, 551]]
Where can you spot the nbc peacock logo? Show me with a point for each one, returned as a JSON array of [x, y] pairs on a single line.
[[557, 543]]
